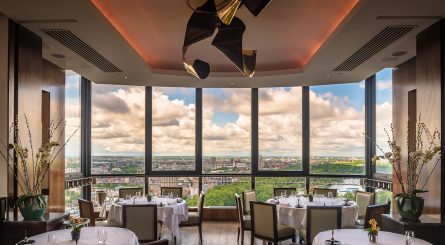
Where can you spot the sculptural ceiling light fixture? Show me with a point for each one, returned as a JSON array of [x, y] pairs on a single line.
[[229, 38]]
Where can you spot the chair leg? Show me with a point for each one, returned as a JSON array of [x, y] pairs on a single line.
[[294, 239], [200, 233], [238, 235], [242, 237], [252, 239]]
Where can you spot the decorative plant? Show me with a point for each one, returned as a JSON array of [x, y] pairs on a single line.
[[418, 158], [76, 223], [374, 229], [33, 166]]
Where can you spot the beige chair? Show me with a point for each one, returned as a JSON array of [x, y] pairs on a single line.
[[375, 212], [175, 191], [286, 191], [325, 191], [101, 196], [265, 226], [86, 210], [243, 220], [124, 192], [248, 196], [142, 219], [363, 200], [195, 218], [320, 218]]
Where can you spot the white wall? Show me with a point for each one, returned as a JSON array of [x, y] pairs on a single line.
[[3, 98]]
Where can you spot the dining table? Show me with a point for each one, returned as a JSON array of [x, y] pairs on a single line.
[[88, 236], [170, 211], [360, 237], [292, 210]]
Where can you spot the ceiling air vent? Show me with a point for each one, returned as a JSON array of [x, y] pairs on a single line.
[[79, 47], [375, 45]]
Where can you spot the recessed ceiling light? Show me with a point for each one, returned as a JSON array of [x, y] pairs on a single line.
[[232, 84], [58, 56], [125, 77], [398, 53]]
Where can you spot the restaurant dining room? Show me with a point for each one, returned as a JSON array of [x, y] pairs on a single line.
[[154, 122]]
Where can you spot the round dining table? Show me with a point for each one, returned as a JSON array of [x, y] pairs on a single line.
[[290, 214], [171, 211], [88, 236], [360, 237]]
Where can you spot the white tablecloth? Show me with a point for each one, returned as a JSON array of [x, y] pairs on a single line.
[[171, 214], [88, 235], [294, 217], [360, 237]]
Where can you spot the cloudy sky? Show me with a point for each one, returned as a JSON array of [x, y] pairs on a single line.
[[336, 120]]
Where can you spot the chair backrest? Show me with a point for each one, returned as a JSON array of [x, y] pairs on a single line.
[[175, 191], [248, 196], [264, 220], [286, 191], [142, 220], [375, 212], [325, 191], [86, 210], [201, 205], [101, 196], [322, 218], [123, 192], [363, 200], [239, 210]]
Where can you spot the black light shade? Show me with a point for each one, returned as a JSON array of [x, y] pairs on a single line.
[[256, 6]]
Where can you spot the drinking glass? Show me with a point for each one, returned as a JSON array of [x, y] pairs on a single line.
[[52, 239], [101, 236], [409, 238]]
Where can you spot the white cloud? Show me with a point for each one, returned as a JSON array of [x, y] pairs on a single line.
[[384, 84]]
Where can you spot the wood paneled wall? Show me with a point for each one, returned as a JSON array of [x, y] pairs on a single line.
[[424, 74], [32, 75]]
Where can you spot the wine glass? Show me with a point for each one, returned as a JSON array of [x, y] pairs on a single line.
[[101, 236], [409, 238], [52, 239]]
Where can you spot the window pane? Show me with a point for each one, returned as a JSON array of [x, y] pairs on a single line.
[[345, 187], [71, 203], [383, 119], [226, 127], [382, 196], [111, 186], [173, 129], [117, 129], [279, 126], [337, 127], [220, 191], [72, 117], [190, 187], [264, 186]]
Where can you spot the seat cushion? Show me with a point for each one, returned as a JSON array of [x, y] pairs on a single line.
[[192, 220], [284, 231], [107, 223]]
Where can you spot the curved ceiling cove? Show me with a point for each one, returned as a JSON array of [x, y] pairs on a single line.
[[286, 34]]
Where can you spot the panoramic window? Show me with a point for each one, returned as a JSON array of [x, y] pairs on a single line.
[[345, 187], [190, 187], [264, 186], [279, 129], [337, 127], [117, 129], [72, 118], [220, 191], [71, 203], [173, 129], [111, 186], [226, 130], [383, 118]]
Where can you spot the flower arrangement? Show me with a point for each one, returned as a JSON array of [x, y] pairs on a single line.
[[33, 165], [76, 223], [374, 229], [425, 149]]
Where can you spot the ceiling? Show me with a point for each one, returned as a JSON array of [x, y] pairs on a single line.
[[298, 42]]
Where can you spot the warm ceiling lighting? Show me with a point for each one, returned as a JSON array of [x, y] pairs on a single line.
[[229, 39]]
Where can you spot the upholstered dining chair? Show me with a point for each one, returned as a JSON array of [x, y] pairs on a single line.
[[123, 192], [86, 210], [286, 191], [375, 212], [320, 218], [101, 196], [265, 225], [142, 219], [243, 220], [363, 200], [325, 191], [248, 196], [175, 191], [195, 218]]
